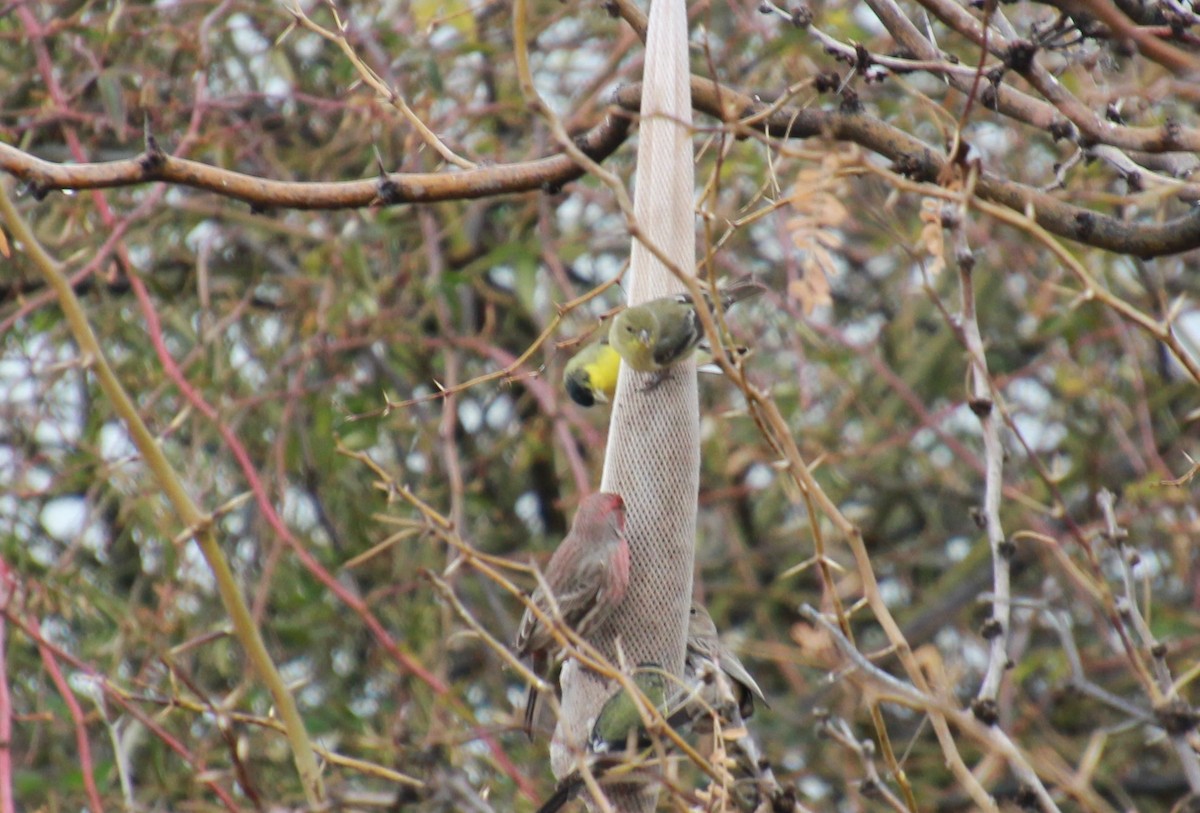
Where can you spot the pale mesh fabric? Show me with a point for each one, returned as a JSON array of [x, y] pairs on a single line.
[[653, 454]]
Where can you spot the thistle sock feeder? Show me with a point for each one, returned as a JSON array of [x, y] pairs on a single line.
[[653, 453]]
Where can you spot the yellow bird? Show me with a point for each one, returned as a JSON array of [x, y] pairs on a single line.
[[657, 334], [591, 375]]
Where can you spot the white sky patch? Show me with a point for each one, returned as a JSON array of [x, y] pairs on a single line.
[[1187, 326], [867, 20], [86, 685], [270, 330], [305, 44], [812, 788], [64, 518], [1041, 436], [38, 478], [416, 463], [470, 415], [528, 510], [299, 511], [991, 139], [759, 476], [894, 593], [42, 552], [499, 413], [17, 381], [206, 232], [248, 367], [957, 548], [863, 331], [245, 36], [503, 276], [193, 569], [57, 633]]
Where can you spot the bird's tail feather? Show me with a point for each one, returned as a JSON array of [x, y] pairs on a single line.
[[739, 289]]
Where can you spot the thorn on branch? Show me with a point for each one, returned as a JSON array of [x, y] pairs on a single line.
[[991, 629], [986, 711], [387, 191], [1007, 548], [1020, 55], [989, 98], [153, 158], [784, 800], [1176, 717], [982, 407], [850, 102], [827, 81], [908, 167], [1171, 131], [1061, 128], [862, 57], [1159, 650], [1085, 224], [977, 516], [1027, 798], [802, 16], [37, 191]]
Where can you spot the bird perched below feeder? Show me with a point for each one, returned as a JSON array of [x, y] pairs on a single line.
[[706, 653], [620, 729]]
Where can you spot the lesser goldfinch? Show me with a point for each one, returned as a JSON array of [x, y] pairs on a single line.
[[654, 335], [618, 724], [591, 375], [705, 651], [587, 576]]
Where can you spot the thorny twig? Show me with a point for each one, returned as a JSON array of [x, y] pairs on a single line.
[[894, 690], [982, 402], [1174, 713], [873, 786]]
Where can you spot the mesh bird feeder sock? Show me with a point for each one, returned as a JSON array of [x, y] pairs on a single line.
[[653, 453]]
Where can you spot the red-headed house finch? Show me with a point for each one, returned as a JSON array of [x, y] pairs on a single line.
[[587, 576]]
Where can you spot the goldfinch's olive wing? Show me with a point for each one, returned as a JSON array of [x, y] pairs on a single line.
[[679, 332]]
